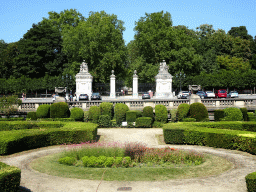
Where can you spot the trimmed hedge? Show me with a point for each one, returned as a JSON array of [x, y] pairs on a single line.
[[94, 114], [106, 108], [244, 112], [182, 111], [12, 119], [251, 182], [161, 113], [148, 112], [9, 178], [72, 132], [143, 122], [43, 111], [189, 120], [59, 110], [86, 116], [131, 116], [120, 112], [77, 114], [232, 114], [218, 114], [173, 113], [32, 115], [104, 121], [198, 111], [251, 116], [139, 113]]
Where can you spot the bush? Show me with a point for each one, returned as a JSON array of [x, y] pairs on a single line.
[[143, 122], [67, 160], [161, 113], [126, 161], [148, 112], [43, 111], [120, 112], [113, 123], [106, 108], [198, 111], [59, 110], [9, 178], [251, 116], [183, 110], [244, 112], [77, 114], [32, 115], [157, 124], [251, 182], [131, 116], [86, 116], [218, 114], [174, 115], [189, 120], [101, 160], [94, 114], [92, 161], [232, 114], [138, 113], [109, 162], [104, 121]]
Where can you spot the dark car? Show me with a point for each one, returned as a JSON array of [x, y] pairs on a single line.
[[201, 94], [145, 96], [83, 97], [96, 96]]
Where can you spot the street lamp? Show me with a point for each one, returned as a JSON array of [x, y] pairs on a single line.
[[181, 76]]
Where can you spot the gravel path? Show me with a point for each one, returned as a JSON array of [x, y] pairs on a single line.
[[230, 181]]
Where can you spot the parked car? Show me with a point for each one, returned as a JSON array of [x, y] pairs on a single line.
[[210, 94], [233, 94], [83, 97], [221, 93], [183, 95], [96, 96], [201, 94], [145, 96]]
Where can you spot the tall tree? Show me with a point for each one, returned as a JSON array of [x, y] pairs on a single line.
[[240, 32]]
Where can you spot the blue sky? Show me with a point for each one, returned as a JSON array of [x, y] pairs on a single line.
[[17, 16]]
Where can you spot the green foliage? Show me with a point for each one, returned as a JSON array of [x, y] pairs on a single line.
[[9, 178], [100, 161], [244, 112], [86, 116], [232, 114], [113, 123], [120, 112], [32, 115], [43, 111], [94, 114], [174, 115], [251, 182], [148, 112], [161, 113], [109, 162], [131, 116], [126, 161], [144, 122], [12, 119], [251, 116], [198, 111], [67, 161], [183, 110], [218, 114], [189, 120], [106, 108], [104, 121], [77, 114], [139, 113], [8, 105], [157, 124], [59, 110]]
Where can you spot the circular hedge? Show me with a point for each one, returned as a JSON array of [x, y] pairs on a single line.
[[198, 111], [232, 114], [120, 112], [43, 111], [106, 108], [59, 110], [182, 111], [94, 114], [161, 113], [77, 114], [148, 112]]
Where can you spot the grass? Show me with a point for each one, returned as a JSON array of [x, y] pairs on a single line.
[[143, 171]]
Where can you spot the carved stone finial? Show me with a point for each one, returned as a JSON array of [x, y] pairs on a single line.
[[135, 72], [112, 72]]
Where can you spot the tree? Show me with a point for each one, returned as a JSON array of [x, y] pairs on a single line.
[[8, 105], [99, 41], [240, 32], [232, 63]]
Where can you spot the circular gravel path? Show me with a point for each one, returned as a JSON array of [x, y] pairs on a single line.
[[230, 181]]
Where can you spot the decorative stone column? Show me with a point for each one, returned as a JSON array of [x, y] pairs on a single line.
[[135, 85], [84, 81], [112, 85]]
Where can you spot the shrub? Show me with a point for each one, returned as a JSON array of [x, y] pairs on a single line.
[[174, 115], [109, 162], [251, 182], [9, 178], [157, 124], [77, 114], [32, 115], [118, 161], [143, 122], [94, 114], [85, 160], [182, 111], [59, 110], [138, 113], [67, 160], [198, 111], [244, 112], [113, 123], [131, 116], [106, 108], [104, 121], [86, 116], [218, 114], [100, 161], [232, 114], [189, 120], [251, 116], [120, 112], [148, 112], [161, 113], [91, 161], [126, 161], [43, 111]]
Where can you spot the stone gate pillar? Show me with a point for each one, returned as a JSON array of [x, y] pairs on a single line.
[[135, 85], [112, 85]]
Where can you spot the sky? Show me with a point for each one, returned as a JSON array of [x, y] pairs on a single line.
[[17, 16]]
